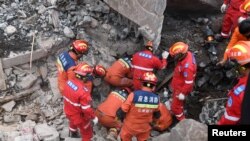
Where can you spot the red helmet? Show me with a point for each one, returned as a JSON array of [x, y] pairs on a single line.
[[80, 46], [245, 6], [240, 52], [177, 48], [83, 69], [149, 77], [100, 71]]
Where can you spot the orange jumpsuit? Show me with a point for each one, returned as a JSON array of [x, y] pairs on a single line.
[[237, 36], [232, 113], [139, 108], [165, 120], [77, 108], [145, 61], [182, 82], [65, 63], [230, 19], [120, 74], [106, 111]]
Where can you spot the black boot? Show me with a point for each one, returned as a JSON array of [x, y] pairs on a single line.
[[74, 134]]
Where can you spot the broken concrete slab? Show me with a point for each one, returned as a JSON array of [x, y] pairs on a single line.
[[189, 130], [72, 139], [24, 58], [46, 133], [8, 106], [54, 88], [2, 77], [142, 13], [27, 81]]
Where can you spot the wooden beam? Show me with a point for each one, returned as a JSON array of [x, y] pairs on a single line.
[[2, 78]]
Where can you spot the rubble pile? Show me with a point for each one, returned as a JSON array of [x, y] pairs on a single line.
[[212, 110], [30, 103]]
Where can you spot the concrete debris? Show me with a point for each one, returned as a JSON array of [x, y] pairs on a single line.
[[8, 106], [212, 111], [9, 30], [2, 78], [54, 88], [68, 32], [27, 81], [186, 130], [9, 118], [46, 133]]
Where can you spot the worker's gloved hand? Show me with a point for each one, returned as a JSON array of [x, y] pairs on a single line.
[[181, 96], [165, 54], [241, 18], [223, 8], [95, 120]]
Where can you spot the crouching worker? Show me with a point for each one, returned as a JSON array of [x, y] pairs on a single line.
[[120, 73], [106, 111], [77, 103], [164, 121], [140, 107]]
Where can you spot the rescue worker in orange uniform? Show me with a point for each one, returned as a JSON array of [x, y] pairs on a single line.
[[67, 60], [77, 103], [165, 119], [120, 74], [98, 71], [241, 33], [183, 77], [106, 111], [240, 54], [146, 61], [140, 107], [245, 10], [230, 20]]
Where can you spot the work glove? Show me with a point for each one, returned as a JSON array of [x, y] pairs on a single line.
[[168, 104], [241, 18], [181, 96], [223, 8], [165, 54], [95, 120]]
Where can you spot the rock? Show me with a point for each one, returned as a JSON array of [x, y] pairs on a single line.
[[216, 78], [72, 139], [3, 25], [64, 133], [8, 106], [9, 30], [27, 81], [68, 32], [162, 137], [8, 71], [151, 11], [147, 32], [46, 133], [54, 88], [41, 9], [202, 80], [94, 23], [154, 133], [28, 137], [32, 117], [189, 130], [9, 118], [43, 70], [202, 64]]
